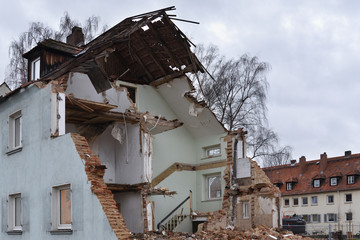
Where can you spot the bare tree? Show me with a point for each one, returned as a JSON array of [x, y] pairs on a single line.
[[37, 32], [236, 91]]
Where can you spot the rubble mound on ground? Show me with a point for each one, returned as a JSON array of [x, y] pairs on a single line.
[[259, 232]]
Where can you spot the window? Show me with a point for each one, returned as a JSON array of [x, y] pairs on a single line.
[[213, 151], [330, 199], [214, 187], [314, 200], [289, 186], [14, 223], [131, 92], [35, 69], [304, 201], [307, 218], [245, 210], [348, 198], [330, 217], [61, 207], [15, 131], [295, 202], [317, 183], [333, 181], [315, 218], [348, 216], [351, 179], [286, 202]]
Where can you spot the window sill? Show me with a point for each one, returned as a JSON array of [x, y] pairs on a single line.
[[348, 202], [210, 157], [314, 204], [295, 205], [330, 203], [305, 205], [212, 199], [15, 150], [61, 232], [15, 232]]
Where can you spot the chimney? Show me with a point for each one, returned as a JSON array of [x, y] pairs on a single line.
[[347, 153], [302, 162], [76, 38], [323, 161], [292, 162]]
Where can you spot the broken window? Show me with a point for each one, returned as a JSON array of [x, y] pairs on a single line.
[[131, 91], [214, 187], [61, 207], [213, 151], [245, 210], [15, 131], [35, 69], [14, 223]]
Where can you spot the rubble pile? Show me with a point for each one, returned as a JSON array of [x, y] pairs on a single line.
[[259, 232]]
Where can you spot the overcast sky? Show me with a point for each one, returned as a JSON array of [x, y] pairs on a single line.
[[313, 48]]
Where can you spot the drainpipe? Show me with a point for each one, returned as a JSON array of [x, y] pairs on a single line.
[[338, 201], [233, 178]]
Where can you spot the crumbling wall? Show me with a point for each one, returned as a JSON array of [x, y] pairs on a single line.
[[260, 195], [95, 172]]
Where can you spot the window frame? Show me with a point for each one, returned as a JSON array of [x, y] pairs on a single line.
[[316, 183], [286, 200], [312, 202], [212, 148], [327, 199], [13, 134], [295, 205], [302, 201], [246, 208], [208, 187], [318, 216], [347, 214], [33, 69], [56, 207], [335, 180], [289, 186], [348, 194], [328, 217], [350, 179], [12, 226]]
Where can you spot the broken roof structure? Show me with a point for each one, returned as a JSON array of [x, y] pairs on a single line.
[[110, 129]]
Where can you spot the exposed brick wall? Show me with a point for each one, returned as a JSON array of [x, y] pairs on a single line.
[[95, 172]]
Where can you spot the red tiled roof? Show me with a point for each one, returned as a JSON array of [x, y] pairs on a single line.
[[339, 167]]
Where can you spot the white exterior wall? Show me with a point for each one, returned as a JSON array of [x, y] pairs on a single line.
[[339, 207]]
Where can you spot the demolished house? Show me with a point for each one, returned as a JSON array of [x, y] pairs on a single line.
[[105, 139]]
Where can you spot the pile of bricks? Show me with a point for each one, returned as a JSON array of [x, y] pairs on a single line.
[[95, 172], [259, 232]]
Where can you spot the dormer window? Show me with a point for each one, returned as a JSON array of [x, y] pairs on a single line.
[[317, 183], [289, 186], [350, 179], [333, 181], [35, 69]]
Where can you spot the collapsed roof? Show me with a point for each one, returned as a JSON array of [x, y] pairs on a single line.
[[140, 49]]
